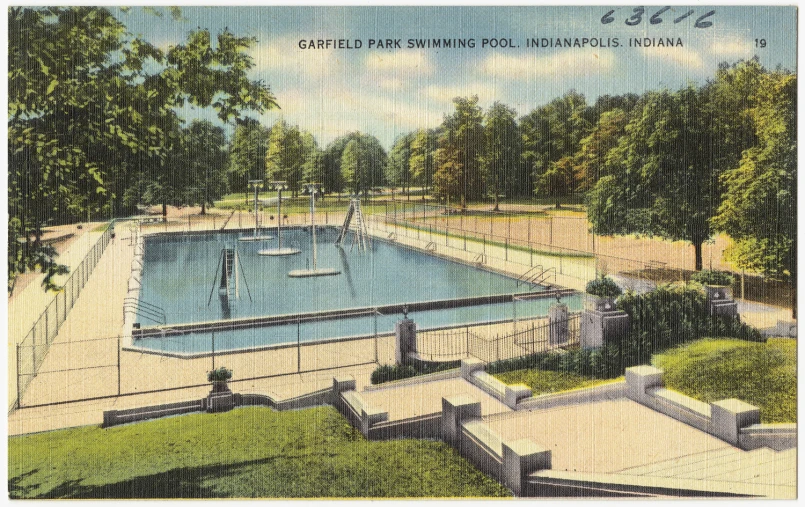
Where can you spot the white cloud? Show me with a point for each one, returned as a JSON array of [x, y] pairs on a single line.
[[484, 91], [684, 57], [399, 61], [284, 54], [560, 64], [732, 47]]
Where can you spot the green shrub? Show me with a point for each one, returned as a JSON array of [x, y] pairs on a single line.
[[221, 374], [389, 372], [708, 277], [659, 320], [604, 287]]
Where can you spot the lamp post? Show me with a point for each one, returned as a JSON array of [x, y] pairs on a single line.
[[312, 188], [257, 184], [279, 186], [298, 273]]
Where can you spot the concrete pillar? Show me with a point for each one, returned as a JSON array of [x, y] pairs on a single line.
[[405, 339], [470, 366], [370, 416], [720, 301], [598, 328], [729, 416], [456, 409], [521, 458], [341, 384], [640, 378], [514, 393], [558, 325]]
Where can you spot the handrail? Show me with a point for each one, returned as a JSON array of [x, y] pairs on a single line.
[[522, 279]]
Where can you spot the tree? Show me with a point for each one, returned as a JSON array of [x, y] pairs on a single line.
[[92, 108], [591, 160], [551, 133], [420, 162], [247, 154], [398, 170], [664, 181], [363, 164], [459, 172], [284, 157], [758, 209], [204, 161], [502, 151]]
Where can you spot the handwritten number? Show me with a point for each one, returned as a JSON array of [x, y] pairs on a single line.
[[656, 19], [637, 17], [760, 43], [680, 18], [704, 24]]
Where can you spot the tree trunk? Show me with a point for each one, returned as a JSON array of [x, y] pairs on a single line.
[[203, 208], [164, 210], [697, 247]]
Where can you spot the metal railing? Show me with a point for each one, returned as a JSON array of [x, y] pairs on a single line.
[[31, 350]]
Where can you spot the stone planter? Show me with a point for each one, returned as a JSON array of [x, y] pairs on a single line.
[[720, 302], [718, 293], [219, 386], [599, 304]]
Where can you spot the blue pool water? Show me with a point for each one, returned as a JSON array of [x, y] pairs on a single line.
[[179, 276], [308, 331]]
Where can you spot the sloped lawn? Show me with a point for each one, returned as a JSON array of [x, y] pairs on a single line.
[[763, 374], [246, 453], [546, 382]]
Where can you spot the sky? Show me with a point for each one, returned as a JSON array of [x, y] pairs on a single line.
[[388, 92]]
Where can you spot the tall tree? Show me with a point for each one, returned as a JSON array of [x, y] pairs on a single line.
[[591, 159], [363, 164], [758, 209], [551, 133], [89, 101], [247, 154], [420, 162], [667, 180], [502, 152], [398, 170], [204, 160], [459, 172], [285, 155]]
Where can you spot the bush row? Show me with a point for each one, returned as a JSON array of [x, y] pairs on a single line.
[[659, 320], [389, 372]]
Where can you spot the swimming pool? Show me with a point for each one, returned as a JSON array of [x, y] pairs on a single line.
[[179, 275]]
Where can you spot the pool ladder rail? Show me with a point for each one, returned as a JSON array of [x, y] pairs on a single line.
[[536, 276], [148, 311]]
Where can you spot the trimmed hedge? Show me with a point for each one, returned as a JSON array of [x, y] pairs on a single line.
[[389, 372], [659, 320], [603, 287]]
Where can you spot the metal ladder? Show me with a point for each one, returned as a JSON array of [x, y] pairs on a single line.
[[361, 230]]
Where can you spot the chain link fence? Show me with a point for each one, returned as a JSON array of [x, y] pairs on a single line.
[[33, 348]]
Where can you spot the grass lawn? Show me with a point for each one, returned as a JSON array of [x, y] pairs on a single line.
[[763, 374], [248, 452], [546, 382]]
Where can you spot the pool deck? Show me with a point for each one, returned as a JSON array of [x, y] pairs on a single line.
[[98, 314]]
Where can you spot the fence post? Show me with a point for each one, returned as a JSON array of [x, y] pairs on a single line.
[[506, 252], [33, 340], [376, 360], [299, 344], [118, 365], [19, 396], [467, 331]]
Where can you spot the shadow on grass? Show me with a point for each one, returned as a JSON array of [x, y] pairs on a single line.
[[176, 483]]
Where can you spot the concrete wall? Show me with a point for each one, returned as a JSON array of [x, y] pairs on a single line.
[[733, 421]]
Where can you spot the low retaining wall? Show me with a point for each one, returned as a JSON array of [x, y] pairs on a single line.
[[731, 420], [116, 417]]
